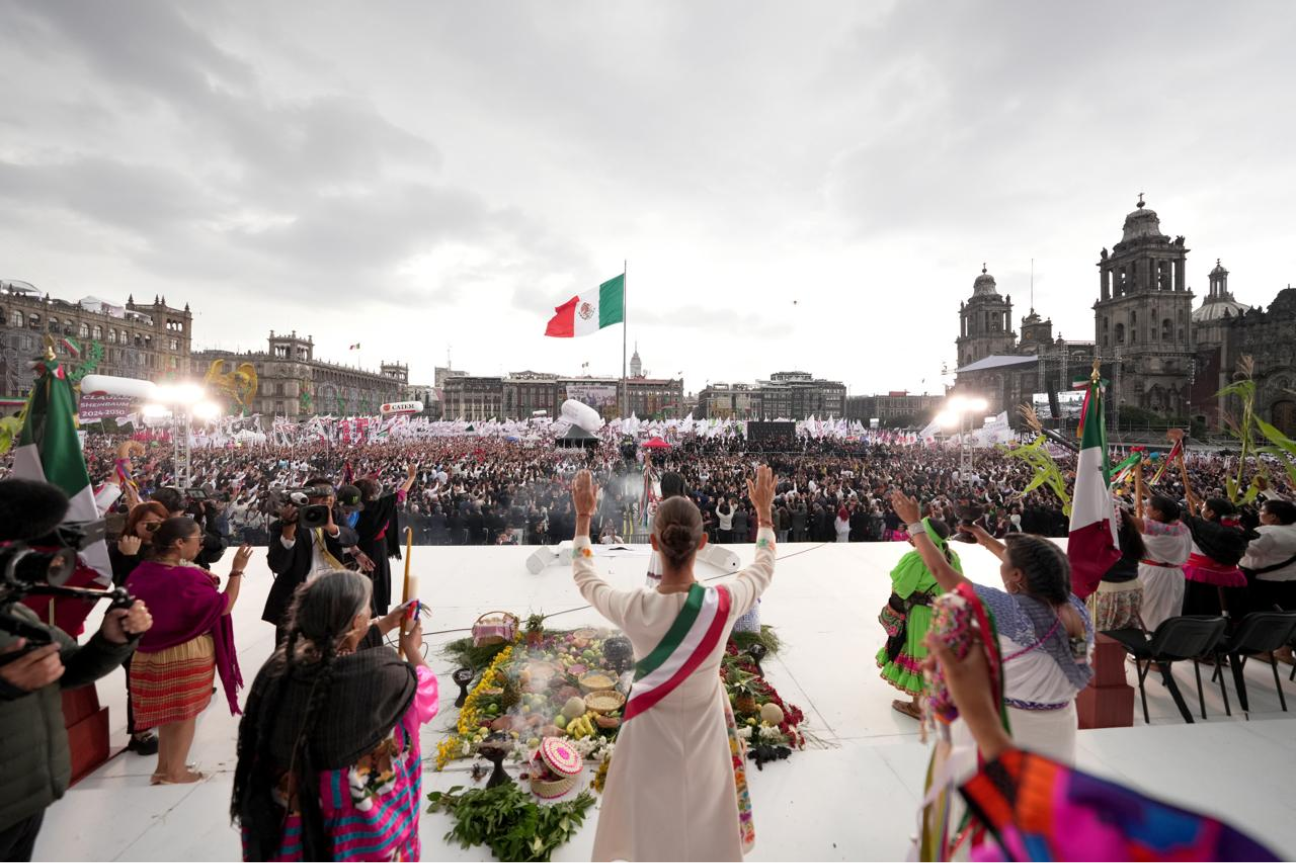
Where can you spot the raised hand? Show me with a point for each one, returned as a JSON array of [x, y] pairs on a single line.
[[905, 507], [584, 494], [241, 557], [761, 491], [129, 545]]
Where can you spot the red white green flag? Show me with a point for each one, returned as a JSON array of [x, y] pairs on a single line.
[[48, 450], [590, 311], [1092, 547]]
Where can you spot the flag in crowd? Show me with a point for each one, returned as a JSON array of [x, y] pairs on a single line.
[[1092, 548]]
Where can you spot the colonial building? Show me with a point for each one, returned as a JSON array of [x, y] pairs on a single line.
[[291, 383], [1142, 317], [472, 397], [985, 322], [134, 341], [996, 366], [1160, 355], [1227, 331]]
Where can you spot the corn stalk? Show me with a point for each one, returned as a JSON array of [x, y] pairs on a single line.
[[1244, 428]]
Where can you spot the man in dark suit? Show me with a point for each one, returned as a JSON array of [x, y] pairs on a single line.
[[296, 552]]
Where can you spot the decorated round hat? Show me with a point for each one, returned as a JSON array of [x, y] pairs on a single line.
[[560, 757]]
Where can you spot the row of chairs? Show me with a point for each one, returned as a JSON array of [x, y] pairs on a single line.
[[1196, 638]]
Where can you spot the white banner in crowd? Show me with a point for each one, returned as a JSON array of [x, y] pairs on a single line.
[[354, 431]]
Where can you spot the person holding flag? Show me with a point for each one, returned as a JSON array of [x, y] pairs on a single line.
[[1092, 545], [676, 787], [48, 451]]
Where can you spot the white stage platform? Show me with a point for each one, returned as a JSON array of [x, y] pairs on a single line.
[[852, 801]]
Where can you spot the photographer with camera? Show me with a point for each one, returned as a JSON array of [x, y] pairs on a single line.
[[206, 507], [307, 538], [38, 662]]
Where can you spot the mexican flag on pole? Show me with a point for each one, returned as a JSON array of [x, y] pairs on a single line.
[[49, 451], [1092, 547], [590, 311]]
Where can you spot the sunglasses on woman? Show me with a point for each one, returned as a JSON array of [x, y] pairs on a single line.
[[151, 526]]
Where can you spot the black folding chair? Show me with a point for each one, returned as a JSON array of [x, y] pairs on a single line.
[[1258, 632], [1176, 639]]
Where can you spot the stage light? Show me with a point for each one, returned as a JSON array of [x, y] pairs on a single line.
[[978, 405], [948, 419], [206, 410], [155, 411]]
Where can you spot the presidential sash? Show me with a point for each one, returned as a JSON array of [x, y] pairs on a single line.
[[690, 640]]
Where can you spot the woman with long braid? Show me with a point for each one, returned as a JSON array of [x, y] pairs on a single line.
[[1045, 634], [329, 765]]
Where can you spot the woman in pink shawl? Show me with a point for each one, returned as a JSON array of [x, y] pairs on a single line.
[[192, 638]]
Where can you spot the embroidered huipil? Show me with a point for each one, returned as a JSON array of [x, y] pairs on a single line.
[[371, 809]]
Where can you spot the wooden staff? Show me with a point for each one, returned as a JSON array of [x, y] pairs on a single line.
[[1188, 492], [410, 581], [1138, 487]]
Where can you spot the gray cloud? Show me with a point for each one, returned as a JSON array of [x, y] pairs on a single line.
[[331, 164]]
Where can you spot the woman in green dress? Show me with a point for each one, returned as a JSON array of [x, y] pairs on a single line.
[[906, 617]]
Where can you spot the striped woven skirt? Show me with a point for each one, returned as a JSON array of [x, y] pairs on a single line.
[[172, 685]]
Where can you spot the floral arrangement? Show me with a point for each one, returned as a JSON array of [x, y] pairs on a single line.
[[479, 708]]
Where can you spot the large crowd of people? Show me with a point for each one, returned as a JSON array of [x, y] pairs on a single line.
[[331, 519]]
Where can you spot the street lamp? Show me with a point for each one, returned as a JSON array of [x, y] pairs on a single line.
[[959, 409]]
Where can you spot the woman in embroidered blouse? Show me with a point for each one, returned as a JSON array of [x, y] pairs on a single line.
[[1045, 633], [338, 713], [674, 789]]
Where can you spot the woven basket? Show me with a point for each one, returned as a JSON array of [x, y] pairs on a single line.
[[615, 701], [558, 756], [495, 630]]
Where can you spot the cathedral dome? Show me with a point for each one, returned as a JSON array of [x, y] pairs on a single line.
[[1219, 309], [984, 286], [1219, 269], [1142, 223]]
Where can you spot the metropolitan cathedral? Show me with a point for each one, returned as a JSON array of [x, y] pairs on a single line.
[[1160, 354]]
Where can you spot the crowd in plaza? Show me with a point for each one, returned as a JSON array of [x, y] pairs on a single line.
[[332, 602]]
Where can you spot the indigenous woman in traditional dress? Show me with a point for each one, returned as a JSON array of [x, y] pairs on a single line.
[[1035, 808], [379, 536], [676, 788], [1045, 634], [906, 617], [329, 765], [1213, 582], [1119, 597], [192, 638]]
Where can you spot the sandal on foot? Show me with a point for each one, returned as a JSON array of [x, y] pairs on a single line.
[[908, 708]]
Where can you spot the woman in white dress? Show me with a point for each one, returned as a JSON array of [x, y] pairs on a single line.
[[675, 790], [1045, 632]]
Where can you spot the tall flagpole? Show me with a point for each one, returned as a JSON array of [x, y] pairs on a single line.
[[625, 303]]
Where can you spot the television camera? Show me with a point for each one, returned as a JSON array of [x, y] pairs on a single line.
[[38, 554]]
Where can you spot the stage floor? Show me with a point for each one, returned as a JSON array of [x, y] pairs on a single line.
[[855, 799]]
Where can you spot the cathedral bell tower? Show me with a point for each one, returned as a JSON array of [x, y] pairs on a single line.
[[985, 322], [1143, 317]]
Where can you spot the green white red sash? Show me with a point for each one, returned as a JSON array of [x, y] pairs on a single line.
[[690, 640]]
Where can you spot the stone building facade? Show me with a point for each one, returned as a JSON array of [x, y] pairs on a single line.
[[292, 383], [786, 395], [985, 322], [1142, 320], [137, 340], [1160, 355]]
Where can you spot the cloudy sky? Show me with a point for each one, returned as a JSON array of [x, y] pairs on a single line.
[[809, 186]]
